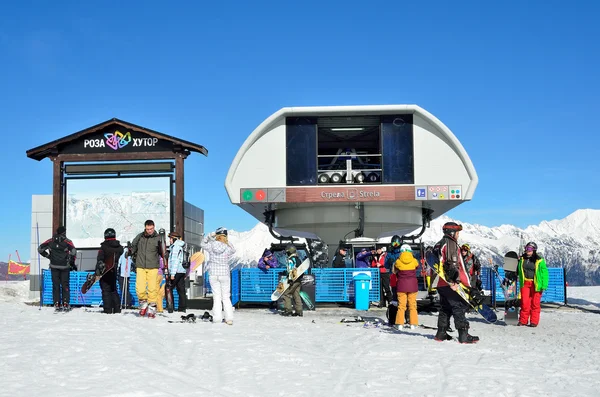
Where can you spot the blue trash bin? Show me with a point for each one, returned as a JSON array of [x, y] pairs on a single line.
[[361, 291]]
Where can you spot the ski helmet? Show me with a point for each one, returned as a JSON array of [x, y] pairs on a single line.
[[532, 245], [220, 231], [290, 249], [110, 233], [396, 242], [466, 247], [405, 248], [451, 228]]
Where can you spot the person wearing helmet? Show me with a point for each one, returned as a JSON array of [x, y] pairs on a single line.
[[106, 267], [472, 265], [293, 291], [452, 268], [220, 254], [533, 280], [62, 253]]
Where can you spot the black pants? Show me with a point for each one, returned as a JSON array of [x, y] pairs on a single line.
[[178, 283], [111, 302], [128, 300], [452, 305], [60, 281], [385, 291]]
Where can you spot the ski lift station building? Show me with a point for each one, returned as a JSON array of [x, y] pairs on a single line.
[[324, 172]]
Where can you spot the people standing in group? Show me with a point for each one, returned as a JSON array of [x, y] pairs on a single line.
[[378, 261], [177, 272], [220, 254], [472, 265], [267, 261], [293, 291], [125, 268], [533, 281], [62, 254], [145, 254], [452, 268], [108, 258], [407, 287]]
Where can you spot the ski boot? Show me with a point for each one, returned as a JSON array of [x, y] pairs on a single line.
[[66, 307], [151, 311], [143, 308], [190, 318], [441, 335], [57, 307], [297, 314], [464, 337]]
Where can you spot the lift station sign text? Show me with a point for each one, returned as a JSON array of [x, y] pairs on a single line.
[[350, 194], [118, 140]]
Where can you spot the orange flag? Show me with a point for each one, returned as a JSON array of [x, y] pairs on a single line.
[[18, 268]]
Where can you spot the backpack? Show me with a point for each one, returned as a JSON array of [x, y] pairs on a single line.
[[185, 263]]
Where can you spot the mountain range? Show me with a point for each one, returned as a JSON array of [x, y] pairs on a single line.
[[572, 242]]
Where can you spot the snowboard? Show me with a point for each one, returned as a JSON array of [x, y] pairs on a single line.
[[284, 282], [509, 288], [482, 309], [306, 299], [162, 242], [91, 279], [196, 260]]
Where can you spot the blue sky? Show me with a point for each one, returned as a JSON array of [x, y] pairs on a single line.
[[517, 82]]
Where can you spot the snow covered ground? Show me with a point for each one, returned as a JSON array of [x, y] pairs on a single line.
[[86, 353]]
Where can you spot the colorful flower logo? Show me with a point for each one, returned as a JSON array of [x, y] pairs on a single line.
[[117, 140]]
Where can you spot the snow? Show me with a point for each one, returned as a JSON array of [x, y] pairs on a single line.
[[88, 353]]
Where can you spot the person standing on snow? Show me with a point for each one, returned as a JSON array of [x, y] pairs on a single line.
[[145, 254], [452, 268], [533, 281], [472, 265], [125, 268], [407, 287], [378, 261], [293, 290], [176, 270], [220, 253], [62, 254], [108, 257]]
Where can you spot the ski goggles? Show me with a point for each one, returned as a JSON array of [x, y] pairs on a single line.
[[529, 249]]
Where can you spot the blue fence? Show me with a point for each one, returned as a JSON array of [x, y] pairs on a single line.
[[94, 295], [332, 285], [554, 293]]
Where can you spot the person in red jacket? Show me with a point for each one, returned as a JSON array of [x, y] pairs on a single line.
[[378, 261]]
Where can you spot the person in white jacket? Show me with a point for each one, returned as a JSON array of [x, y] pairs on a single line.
[[220, 252]]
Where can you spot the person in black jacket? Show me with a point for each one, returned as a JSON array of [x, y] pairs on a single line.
[[339, 259], [106, 267], [62, 253]]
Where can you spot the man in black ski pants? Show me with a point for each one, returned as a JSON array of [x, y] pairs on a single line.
[[62, 253], [452, 268], [108, 258]]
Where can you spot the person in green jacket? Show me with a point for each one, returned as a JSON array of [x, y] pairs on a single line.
[[533, 280]]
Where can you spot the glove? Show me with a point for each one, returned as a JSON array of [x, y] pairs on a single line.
[[451, 274], [45, 254], [476, 296], [512, 276], [73, 267]]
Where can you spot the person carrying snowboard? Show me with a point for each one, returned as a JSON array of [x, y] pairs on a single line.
[[472, 265], [533, 280], [452, 268], [220, 253], [62, 253], [145, 254], [177, 272], [293, 291], [108, 258]]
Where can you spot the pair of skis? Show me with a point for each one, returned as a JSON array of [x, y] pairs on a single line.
[[509, 287]]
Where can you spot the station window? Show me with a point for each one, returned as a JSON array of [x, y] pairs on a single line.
[[301, 151], [349, 150], [397, 149]]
